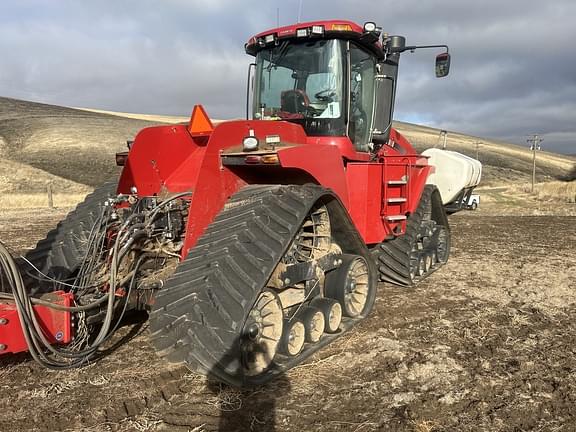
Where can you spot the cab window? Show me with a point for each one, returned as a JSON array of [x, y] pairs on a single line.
[[362, 74]]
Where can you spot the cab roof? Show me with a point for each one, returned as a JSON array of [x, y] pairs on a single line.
[[330, 29]]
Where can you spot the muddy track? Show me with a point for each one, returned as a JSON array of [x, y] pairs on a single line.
[[486, 343]]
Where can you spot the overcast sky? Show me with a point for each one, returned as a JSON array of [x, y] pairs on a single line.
[[513, 61]]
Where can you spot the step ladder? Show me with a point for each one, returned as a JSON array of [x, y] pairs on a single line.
[[395, 208]]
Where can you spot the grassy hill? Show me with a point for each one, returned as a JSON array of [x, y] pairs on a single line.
[[68, 143], [74, 148], [502, 162]]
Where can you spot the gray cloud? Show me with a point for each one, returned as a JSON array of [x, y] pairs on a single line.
[[513, 72]]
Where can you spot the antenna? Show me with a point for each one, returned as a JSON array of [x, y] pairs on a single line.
[[277, 17], [300, 10]]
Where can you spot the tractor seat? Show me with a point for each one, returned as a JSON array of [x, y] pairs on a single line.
[[294, 101]]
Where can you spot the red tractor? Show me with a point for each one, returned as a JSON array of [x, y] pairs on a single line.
[[251, 244]]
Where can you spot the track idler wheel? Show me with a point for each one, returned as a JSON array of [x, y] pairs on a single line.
[[262, 333], [293, 337], [314, 323], [350, 285], [332, 313]]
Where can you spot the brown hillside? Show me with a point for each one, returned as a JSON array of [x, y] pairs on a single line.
[[502, 162], [74, 144], [79, 144]]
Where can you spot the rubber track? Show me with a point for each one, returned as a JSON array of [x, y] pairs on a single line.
[[393, 257], [64, 247], [198, 316]]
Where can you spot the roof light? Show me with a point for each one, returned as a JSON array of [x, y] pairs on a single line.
[[302, 32], [341, 27], [269, 38], [369, 27], [261, 42], [318, 30]]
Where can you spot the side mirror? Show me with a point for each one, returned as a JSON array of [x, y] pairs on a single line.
[[442, 65]]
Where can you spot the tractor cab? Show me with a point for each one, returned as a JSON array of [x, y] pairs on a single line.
[[334, 78]]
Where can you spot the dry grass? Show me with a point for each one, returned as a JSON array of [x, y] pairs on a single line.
[[155, 118], [425, 426], [549, 191], [515, 198], [20, 178], [38, 200]]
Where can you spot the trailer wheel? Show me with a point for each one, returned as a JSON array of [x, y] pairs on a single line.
[[442, 244]]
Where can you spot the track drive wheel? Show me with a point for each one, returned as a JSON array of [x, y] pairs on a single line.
[[350, 285]]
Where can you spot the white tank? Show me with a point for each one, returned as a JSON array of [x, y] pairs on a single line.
[[454, 172]]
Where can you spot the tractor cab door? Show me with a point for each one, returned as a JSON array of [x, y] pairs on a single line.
[[362, 72]]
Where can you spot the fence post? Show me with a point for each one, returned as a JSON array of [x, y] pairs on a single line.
[[50, 198]]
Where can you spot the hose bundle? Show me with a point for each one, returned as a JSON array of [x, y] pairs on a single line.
[[40, 348], [100, 257]]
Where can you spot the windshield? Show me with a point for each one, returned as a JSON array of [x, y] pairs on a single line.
[[302, 82]]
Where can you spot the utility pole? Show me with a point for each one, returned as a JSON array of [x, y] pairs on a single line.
[[444, 134], [477, 143], [534, 142]]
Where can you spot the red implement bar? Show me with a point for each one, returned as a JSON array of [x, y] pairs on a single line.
[[56, 324]]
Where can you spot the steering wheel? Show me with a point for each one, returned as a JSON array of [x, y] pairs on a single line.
[[325, 95]]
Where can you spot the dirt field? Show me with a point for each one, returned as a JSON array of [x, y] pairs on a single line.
[[485, 344]]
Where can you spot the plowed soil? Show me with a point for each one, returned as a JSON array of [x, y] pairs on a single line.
[[487, 343]]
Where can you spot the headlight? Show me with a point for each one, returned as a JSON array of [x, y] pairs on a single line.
[[303, 32], [250, 143], [369, 27], [318, 30]]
